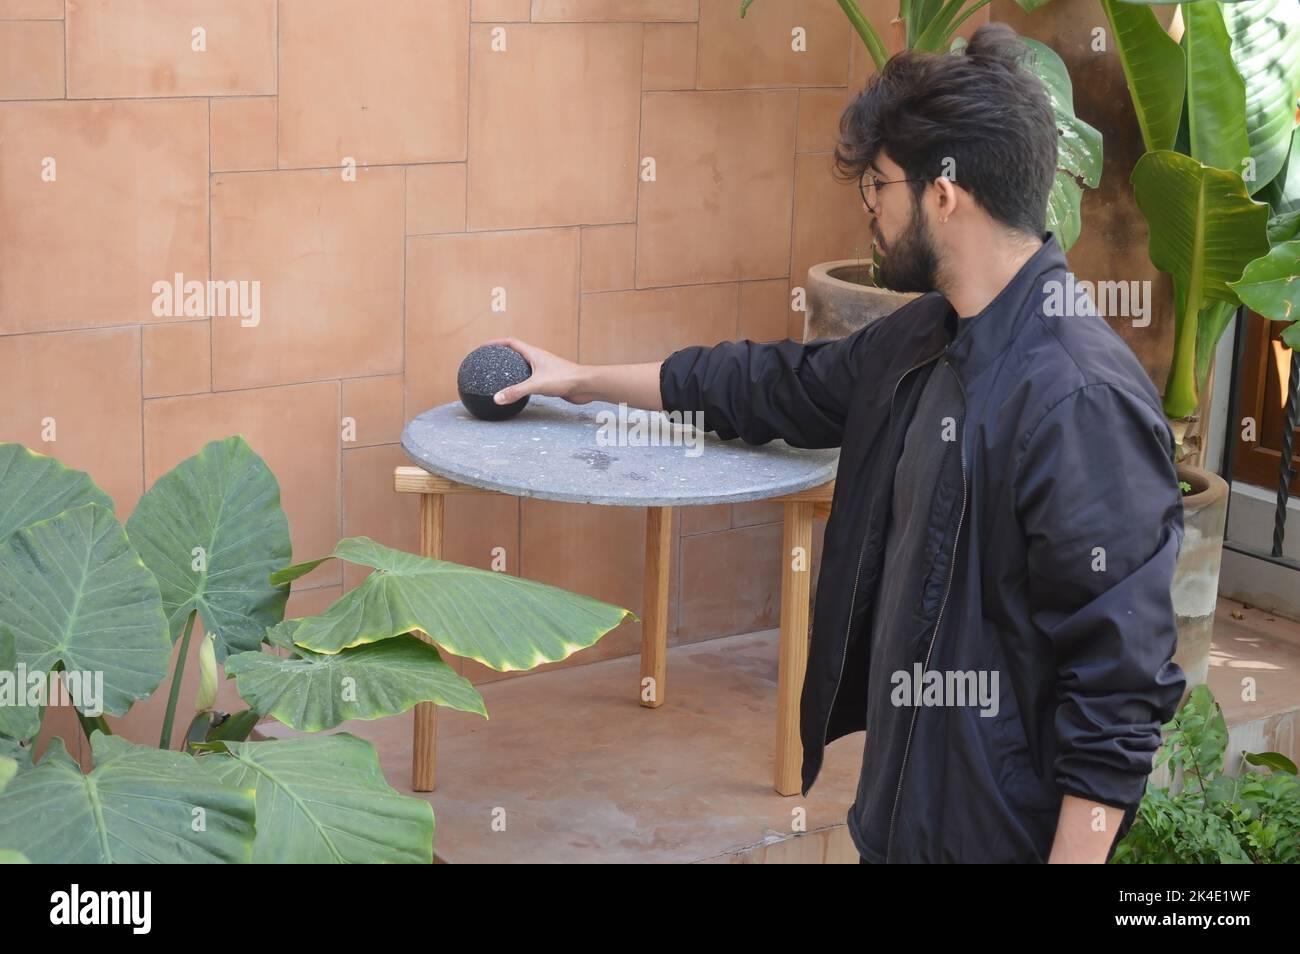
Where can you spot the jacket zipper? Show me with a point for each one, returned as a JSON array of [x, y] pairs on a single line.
[[848, 626], [952, 572]]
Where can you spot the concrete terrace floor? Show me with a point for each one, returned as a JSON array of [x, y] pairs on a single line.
[[580, 772]]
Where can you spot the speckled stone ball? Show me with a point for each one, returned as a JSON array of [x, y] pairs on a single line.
[[484, 372]]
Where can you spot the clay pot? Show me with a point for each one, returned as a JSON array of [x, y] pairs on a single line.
[[841, 299]]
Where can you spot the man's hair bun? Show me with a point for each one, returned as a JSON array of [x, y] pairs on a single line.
[[996, 43]]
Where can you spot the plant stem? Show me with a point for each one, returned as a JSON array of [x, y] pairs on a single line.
[[875, 46], [933, 37], [91, 724], [952, 28], [1180, 389], [165, 740]]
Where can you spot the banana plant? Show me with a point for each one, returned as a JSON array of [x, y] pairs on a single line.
[[207, 547], [1204, 231], [930, 26], [1221, 175]]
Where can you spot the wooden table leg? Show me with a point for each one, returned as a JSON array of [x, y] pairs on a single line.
[[654, 621], [796, 572], [425, 741]]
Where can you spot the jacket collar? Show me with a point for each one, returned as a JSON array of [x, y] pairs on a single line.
[[982, 337]]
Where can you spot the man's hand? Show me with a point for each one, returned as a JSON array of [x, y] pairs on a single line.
[[553, 376], [1084, 832]]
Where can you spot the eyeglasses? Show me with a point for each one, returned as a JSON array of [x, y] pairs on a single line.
[[869, 188]]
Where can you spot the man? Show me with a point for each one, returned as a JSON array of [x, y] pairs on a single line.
[[994, 599]]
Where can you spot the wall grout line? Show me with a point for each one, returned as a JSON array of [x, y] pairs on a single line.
[[79, 329], [212, 377], [272, 94], [277, 84]]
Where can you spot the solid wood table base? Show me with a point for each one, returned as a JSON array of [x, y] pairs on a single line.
[[799, 511]]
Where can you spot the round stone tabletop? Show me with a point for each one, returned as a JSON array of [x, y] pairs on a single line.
[[555, 450]]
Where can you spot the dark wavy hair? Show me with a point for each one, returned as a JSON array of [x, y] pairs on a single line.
[[980, 108]]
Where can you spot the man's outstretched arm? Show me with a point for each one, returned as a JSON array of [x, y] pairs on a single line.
[[757, 391], [636, 385]]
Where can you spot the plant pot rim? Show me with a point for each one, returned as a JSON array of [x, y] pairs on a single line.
[[821, 272], [1208, 488]]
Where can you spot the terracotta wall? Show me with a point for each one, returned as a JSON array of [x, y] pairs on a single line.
[[476, 168]]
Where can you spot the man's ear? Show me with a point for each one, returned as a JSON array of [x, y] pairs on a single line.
[[945, 198]]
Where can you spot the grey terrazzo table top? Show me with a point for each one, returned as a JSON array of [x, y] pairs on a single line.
[[553, 450]]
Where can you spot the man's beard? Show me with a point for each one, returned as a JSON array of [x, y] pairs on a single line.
[[911, 263]]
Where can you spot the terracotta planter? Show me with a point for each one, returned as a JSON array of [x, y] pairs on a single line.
[[841, 299], [1196, 577]]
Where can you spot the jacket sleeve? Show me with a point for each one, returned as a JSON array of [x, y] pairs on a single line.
[[1098, 500], [759, 391]]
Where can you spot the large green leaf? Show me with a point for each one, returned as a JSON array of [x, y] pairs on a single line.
[[1065, 210], [1284, 227], [18, 751], [1266, 50], [311, 691], [139, 804], [323, 799], [19, 722], [1212, 321], [1283, 193], [35, 487], [75, 592], [1270, 285], [1079, 151], [8, 769], [1204, 230], [212, 529], [502, 621], [1154, 68], [1216, 95]]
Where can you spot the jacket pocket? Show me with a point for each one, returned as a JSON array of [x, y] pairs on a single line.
[[1025, 790]]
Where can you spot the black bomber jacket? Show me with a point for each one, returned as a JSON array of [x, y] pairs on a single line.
[[1053, 539]]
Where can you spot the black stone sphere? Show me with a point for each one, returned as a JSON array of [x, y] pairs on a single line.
[[484, 372]]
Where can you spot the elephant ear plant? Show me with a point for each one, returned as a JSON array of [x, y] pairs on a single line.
[[100, 607], [930, 26], [1219, 184]]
